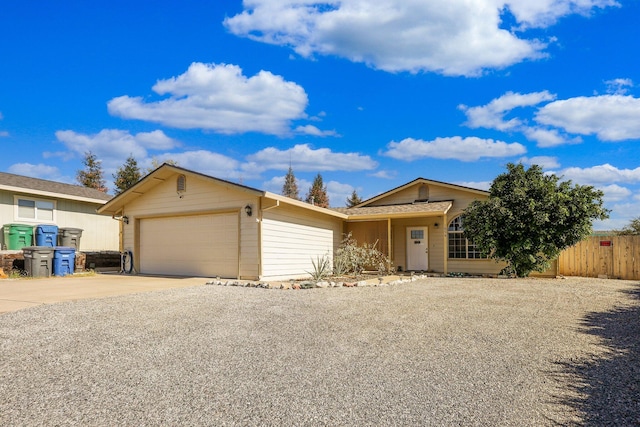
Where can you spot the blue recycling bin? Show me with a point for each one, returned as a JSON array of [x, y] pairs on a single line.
[[64, 260], [46, 235]]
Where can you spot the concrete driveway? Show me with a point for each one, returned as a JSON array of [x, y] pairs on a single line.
[[16, 294]]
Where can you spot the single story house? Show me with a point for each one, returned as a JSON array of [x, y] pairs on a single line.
[[180, 222], [33, 201]]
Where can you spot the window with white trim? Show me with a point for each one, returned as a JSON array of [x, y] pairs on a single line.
[[459, 246], [34, 209]]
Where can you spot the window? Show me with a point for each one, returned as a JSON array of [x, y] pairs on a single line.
[[35, 210], [459, 246], [417, 234]]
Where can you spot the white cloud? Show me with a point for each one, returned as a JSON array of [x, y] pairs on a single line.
[[385, 174], [618, 86], [465, 149], [220, 98], [479, 185], [314, 131], [208, 163], [452, 37], [542, 13], [609, 117], [3, 133], [113, 146], [491, 116], [601, 174], [338, 193], [304, 158], [615, 193], [546, 162], [40, 170], [549, 137], [275, 184]]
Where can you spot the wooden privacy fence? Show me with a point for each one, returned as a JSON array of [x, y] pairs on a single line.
[[598, 256]]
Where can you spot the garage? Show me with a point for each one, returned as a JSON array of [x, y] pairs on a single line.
[[191, 245]]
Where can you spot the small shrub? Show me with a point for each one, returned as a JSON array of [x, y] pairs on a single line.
[[351, 259]]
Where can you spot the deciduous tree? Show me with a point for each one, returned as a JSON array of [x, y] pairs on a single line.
[[530, 217], [92, 175], [633, 228]]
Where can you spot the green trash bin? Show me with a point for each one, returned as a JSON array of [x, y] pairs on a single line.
[[17, 236]]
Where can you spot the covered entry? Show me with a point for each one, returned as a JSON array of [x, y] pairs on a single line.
[[193, 245]]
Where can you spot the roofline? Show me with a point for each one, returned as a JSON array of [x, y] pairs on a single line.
[[251, 190], [303, 205], [415, 181], [51, 194]]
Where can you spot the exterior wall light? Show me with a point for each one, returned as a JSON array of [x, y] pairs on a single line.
[[248, 210], [125, 219]]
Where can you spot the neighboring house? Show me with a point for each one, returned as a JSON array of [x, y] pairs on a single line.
[[32, 201], [180, 222]]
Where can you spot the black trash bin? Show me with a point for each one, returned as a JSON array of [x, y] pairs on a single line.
[[70, 237], [38, 260]]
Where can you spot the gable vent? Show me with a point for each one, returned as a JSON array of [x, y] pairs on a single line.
[[423, 193], [181, 184]]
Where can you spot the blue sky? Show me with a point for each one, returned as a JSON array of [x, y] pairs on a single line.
[[370, 93]]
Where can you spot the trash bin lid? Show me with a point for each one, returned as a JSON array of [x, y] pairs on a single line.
[[37, 249], [64, 249]]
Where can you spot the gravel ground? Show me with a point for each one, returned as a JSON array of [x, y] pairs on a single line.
[[445, 351]]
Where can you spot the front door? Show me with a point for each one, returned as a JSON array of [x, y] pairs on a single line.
[[417, 248]]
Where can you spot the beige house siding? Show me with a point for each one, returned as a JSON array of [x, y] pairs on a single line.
[[436, 243], [201, 196], [475, 266], [370, 232], [292, 238], [100, 232], [408, 195]]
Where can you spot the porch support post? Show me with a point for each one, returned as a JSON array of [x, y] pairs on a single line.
[[445, 240], [389, 242]]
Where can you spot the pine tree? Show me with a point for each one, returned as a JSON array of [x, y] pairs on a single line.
[[353, 200], [127, 175], [290, 187], [92, 175], [317, 194]]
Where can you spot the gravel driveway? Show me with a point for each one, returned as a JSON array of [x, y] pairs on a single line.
[[433, 352]]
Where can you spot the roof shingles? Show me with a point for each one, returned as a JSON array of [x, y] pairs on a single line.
[[29, 183]]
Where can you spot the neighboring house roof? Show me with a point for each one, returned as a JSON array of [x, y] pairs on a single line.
[[53, 189], [397, 211], [421, 181]]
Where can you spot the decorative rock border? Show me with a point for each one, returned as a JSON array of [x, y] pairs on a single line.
[[309, 284]]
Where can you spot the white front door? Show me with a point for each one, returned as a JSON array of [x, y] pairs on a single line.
[[418, 248]]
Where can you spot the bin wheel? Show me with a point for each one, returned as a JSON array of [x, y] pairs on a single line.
[[126, 262]]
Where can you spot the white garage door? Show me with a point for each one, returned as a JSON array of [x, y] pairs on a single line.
[[195, 245]]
